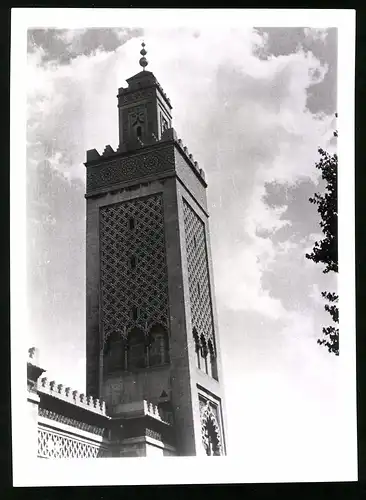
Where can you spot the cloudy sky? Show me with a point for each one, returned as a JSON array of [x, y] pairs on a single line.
[[252, 105]]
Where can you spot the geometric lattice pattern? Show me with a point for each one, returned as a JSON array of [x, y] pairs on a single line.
[[143, 287], [56, 445], [198, 277]]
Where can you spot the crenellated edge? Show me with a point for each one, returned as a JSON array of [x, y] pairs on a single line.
[[65, 393], [93, 157], [154, 411]]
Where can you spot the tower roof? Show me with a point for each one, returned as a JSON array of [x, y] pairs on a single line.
[[143, 79], [143, 62], [142, 75]]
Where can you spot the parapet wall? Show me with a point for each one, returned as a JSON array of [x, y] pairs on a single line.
[[72, 425], [59, 391], [148, 159]]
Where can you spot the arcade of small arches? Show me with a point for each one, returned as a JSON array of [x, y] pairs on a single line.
[[137, 350], [205, 355]]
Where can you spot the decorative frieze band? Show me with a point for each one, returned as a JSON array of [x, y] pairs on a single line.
[[128, 168], [63, 419], [129, 97]]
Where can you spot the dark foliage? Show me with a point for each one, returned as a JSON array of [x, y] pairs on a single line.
[[326, 250]]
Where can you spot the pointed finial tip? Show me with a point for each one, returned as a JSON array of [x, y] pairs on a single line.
[[143, 61]]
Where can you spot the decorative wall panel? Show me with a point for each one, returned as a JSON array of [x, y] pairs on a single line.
[[133, 296], [128, 168], [136, 96], [198, 274], [63, 419], [58, 445], [210, 427]]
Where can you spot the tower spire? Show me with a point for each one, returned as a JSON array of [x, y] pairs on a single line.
[[143, 61]]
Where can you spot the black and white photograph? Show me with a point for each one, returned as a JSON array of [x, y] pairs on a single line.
[[182, 246]]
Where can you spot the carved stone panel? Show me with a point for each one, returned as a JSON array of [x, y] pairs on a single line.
[[52, 444], [128, 168], [64, 419], [136, 96], [129, 229], [210, 428], [198, 274]]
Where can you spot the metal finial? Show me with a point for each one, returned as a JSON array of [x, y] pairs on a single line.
[[143, 61]]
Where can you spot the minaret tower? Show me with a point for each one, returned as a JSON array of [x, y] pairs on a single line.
[[152, 332]]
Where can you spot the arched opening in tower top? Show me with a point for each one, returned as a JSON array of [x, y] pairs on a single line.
[[139, 131]]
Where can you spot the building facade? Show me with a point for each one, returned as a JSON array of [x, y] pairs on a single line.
[[152, 347]]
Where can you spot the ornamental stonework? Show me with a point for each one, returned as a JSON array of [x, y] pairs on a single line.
[[210, 428], [137, 115], [198, 274], [128, 168], [153, 434], [56, 445], [136, 96], [143, 288], [63, 419]]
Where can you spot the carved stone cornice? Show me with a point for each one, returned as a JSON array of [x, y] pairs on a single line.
[[130, 167], [63, 419]]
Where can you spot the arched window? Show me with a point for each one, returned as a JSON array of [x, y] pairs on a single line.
[[197, 347], [136, 353], [158, 346], [212, 364], [203, 354], [139, 131], [165, 124], [113, 355]]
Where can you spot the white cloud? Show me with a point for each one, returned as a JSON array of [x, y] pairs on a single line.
[[316, 33], [238, 281]]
